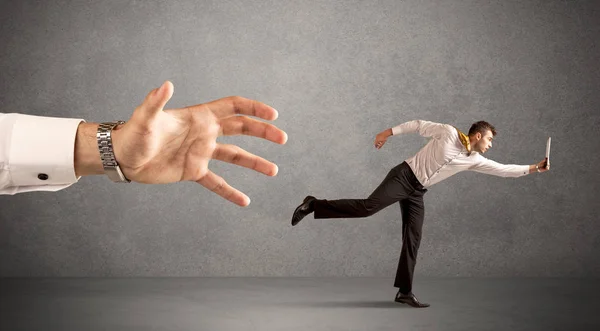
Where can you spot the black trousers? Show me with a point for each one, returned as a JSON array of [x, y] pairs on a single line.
[[400, 185]]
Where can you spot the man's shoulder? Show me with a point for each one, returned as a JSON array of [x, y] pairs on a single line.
[[451, 130]]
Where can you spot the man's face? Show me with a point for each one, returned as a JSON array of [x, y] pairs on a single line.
[[484, 142]]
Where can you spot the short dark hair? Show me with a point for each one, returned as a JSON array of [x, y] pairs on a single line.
[[482, 127]]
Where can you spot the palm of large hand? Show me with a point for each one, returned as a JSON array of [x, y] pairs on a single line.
[[177, 146], [157, 146]]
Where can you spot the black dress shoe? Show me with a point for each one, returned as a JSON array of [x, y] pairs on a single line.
[[410, 299], [304, 209]]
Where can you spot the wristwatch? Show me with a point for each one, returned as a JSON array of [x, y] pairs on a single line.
[[107, 154]]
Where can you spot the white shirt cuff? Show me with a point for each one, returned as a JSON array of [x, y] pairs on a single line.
[[524, 170], [41, 150]]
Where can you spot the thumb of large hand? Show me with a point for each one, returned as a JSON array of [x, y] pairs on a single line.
[[156, 100]]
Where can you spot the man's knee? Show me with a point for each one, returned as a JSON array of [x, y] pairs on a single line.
[[371, 208]]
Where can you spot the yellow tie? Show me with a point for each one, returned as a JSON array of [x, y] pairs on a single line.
[[464, 139]]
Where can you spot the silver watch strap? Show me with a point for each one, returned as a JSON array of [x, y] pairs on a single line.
[[107, 154]]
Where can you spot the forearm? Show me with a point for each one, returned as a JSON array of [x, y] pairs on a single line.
[[406, 127], [87, 157]]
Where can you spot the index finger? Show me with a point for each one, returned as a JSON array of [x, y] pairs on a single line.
[[230, 106]]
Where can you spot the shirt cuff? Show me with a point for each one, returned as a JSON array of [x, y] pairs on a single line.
[[524, 170], [42, 150], [398, 129]]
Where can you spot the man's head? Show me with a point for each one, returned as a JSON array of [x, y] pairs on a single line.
[[481, 135]]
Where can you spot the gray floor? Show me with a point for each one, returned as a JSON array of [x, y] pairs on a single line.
[[296, 304]]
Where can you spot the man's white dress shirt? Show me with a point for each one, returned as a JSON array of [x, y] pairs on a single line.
[[445, 155]]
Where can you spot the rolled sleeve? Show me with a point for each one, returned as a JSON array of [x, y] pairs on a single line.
[[37, 153]]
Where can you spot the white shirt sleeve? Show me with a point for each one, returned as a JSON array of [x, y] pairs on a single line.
[[36, 153], [424, 128], [491, 167]]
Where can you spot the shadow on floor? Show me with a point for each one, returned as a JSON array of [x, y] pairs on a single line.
[[346, 304]]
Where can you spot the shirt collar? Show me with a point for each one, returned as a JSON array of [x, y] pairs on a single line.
[[464, 139]]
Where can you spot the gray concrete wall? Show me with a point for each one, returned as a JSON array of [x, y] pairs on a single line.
[[338, 72]]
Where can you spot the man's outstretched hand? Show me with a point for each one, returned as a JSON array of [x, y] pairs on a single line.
[[544, 166], [381, 138], [158, 145]]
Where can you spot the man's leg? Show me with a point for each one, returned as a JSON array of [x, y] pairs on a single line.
[[413, 214], [393, 188]]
